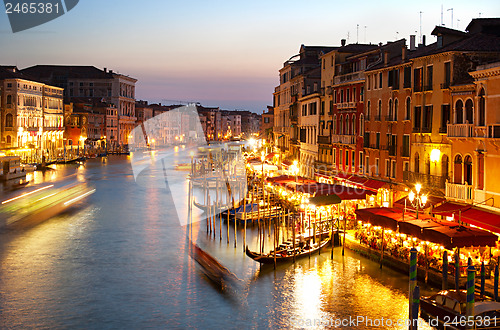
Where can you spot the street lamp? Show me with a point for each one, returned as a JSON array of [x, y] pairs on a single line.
[[418, 200]]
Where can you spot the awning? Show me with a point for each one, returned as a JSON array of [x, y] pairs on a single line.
[[381, 216], [271, 155], [482, 218], [374, 184], [325, 200], [450, 208], [431, 201], [342, 176], [415, 227], [459, 236]]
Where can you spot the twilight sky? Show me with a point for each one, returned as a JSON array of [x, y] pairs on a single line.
[[219, 53]]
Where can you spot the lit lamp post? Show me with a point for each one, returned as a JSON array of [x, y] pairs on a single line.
[[417, 199]]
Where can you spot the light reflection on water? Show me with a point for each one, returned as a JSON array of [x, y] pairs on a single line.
[[119, 260]]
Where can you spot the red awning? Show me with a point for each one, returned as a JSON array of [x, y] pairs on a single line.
[[374, 184], [450, 208], [381, 216], [481, 218], [459, 236], [415, 227], [357, 179], [341, 176]]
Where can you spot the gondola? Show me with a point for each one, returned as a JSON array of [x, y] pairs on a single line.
[[213, 269], [285, 252], [204, 208]]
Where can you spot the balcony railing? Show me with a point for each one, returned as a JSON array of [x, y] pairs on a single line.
[[324, 139], [344, 139], [460, 130], [463, 192], [348, 77], [427, 180]]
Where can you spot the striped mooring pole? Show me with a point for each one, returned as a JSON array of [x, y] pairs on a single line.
[[414, 308], [471, 272], [445, 270], [495, 283], [413, 281], [483, 275]]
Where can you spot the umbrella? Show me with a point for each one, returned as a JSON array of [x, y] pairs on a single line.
[[459, 236]]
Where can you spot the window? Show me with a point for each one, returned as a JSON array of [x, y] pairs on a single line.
[[380, 80], [354, 97], [322, 111], [379, 110], [447, 75], [417, 163], [334, 156], [393, 169], [459, 115], [340, 158], [406, 146], [366, 140], [347, 160], [408, 109], [341, 125], [367, 112], [391, 110], [407, 77], [353, 161], [368, 79], [417, 118], [427, 119], [348, 95], [362, 94], [367, 165], [469, 112], [376, 166], [353, 126], [417, 80], [377, 140], [335, 124], [9, 99], [388, 168], [361, 125], [331, 108], [396, 105], [482, 108], [9, 120], [429, 78], [445, 118], [361, 162]]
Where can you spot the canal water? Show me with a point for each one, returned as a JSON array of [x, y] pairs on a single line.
[[119, 260]]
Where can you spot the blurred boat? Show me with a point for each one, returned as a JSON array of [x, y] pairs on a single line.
[[213, 269], [41, 204]]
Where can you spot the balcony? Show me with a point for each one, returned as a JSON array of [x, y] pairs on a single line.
[[427, 180], [344, 139], [460, 130], [462, 192], [324, 139], [348, 77]]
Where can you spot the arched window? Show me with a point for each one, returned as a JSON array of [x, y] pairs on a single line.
[[353, 126], [9, 139], [9, 120], [391, 113], [469, 111], [341, 125], [9, 99], [468, 170], [408, 109], [335, 124], [482, 108], [417, 163], [368, 110], [346, 128], [457, 169], [444, 166], [459, 114], [379, 110], [396, 103]]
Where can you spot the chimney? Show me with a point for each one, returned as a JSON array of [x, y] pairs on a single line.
[[386, 58], [403, 53], [412, 42], [110, 71], [342, 42], [105, 70]]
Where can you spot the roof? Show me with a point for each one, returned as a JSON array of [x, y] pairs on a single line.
[[11, 72], [438, 30], [68, 71], [357, 48], [484, 25]]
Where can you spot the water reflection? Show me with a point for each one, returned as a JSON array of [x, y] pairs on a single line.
[[119, 260]]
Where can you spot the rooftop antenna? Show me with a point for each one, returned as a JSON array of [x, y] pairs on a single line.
[[357, 33], [397, 35], [421, 26], [365, 34], [348, 34], [451, 16], [442, 15]]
